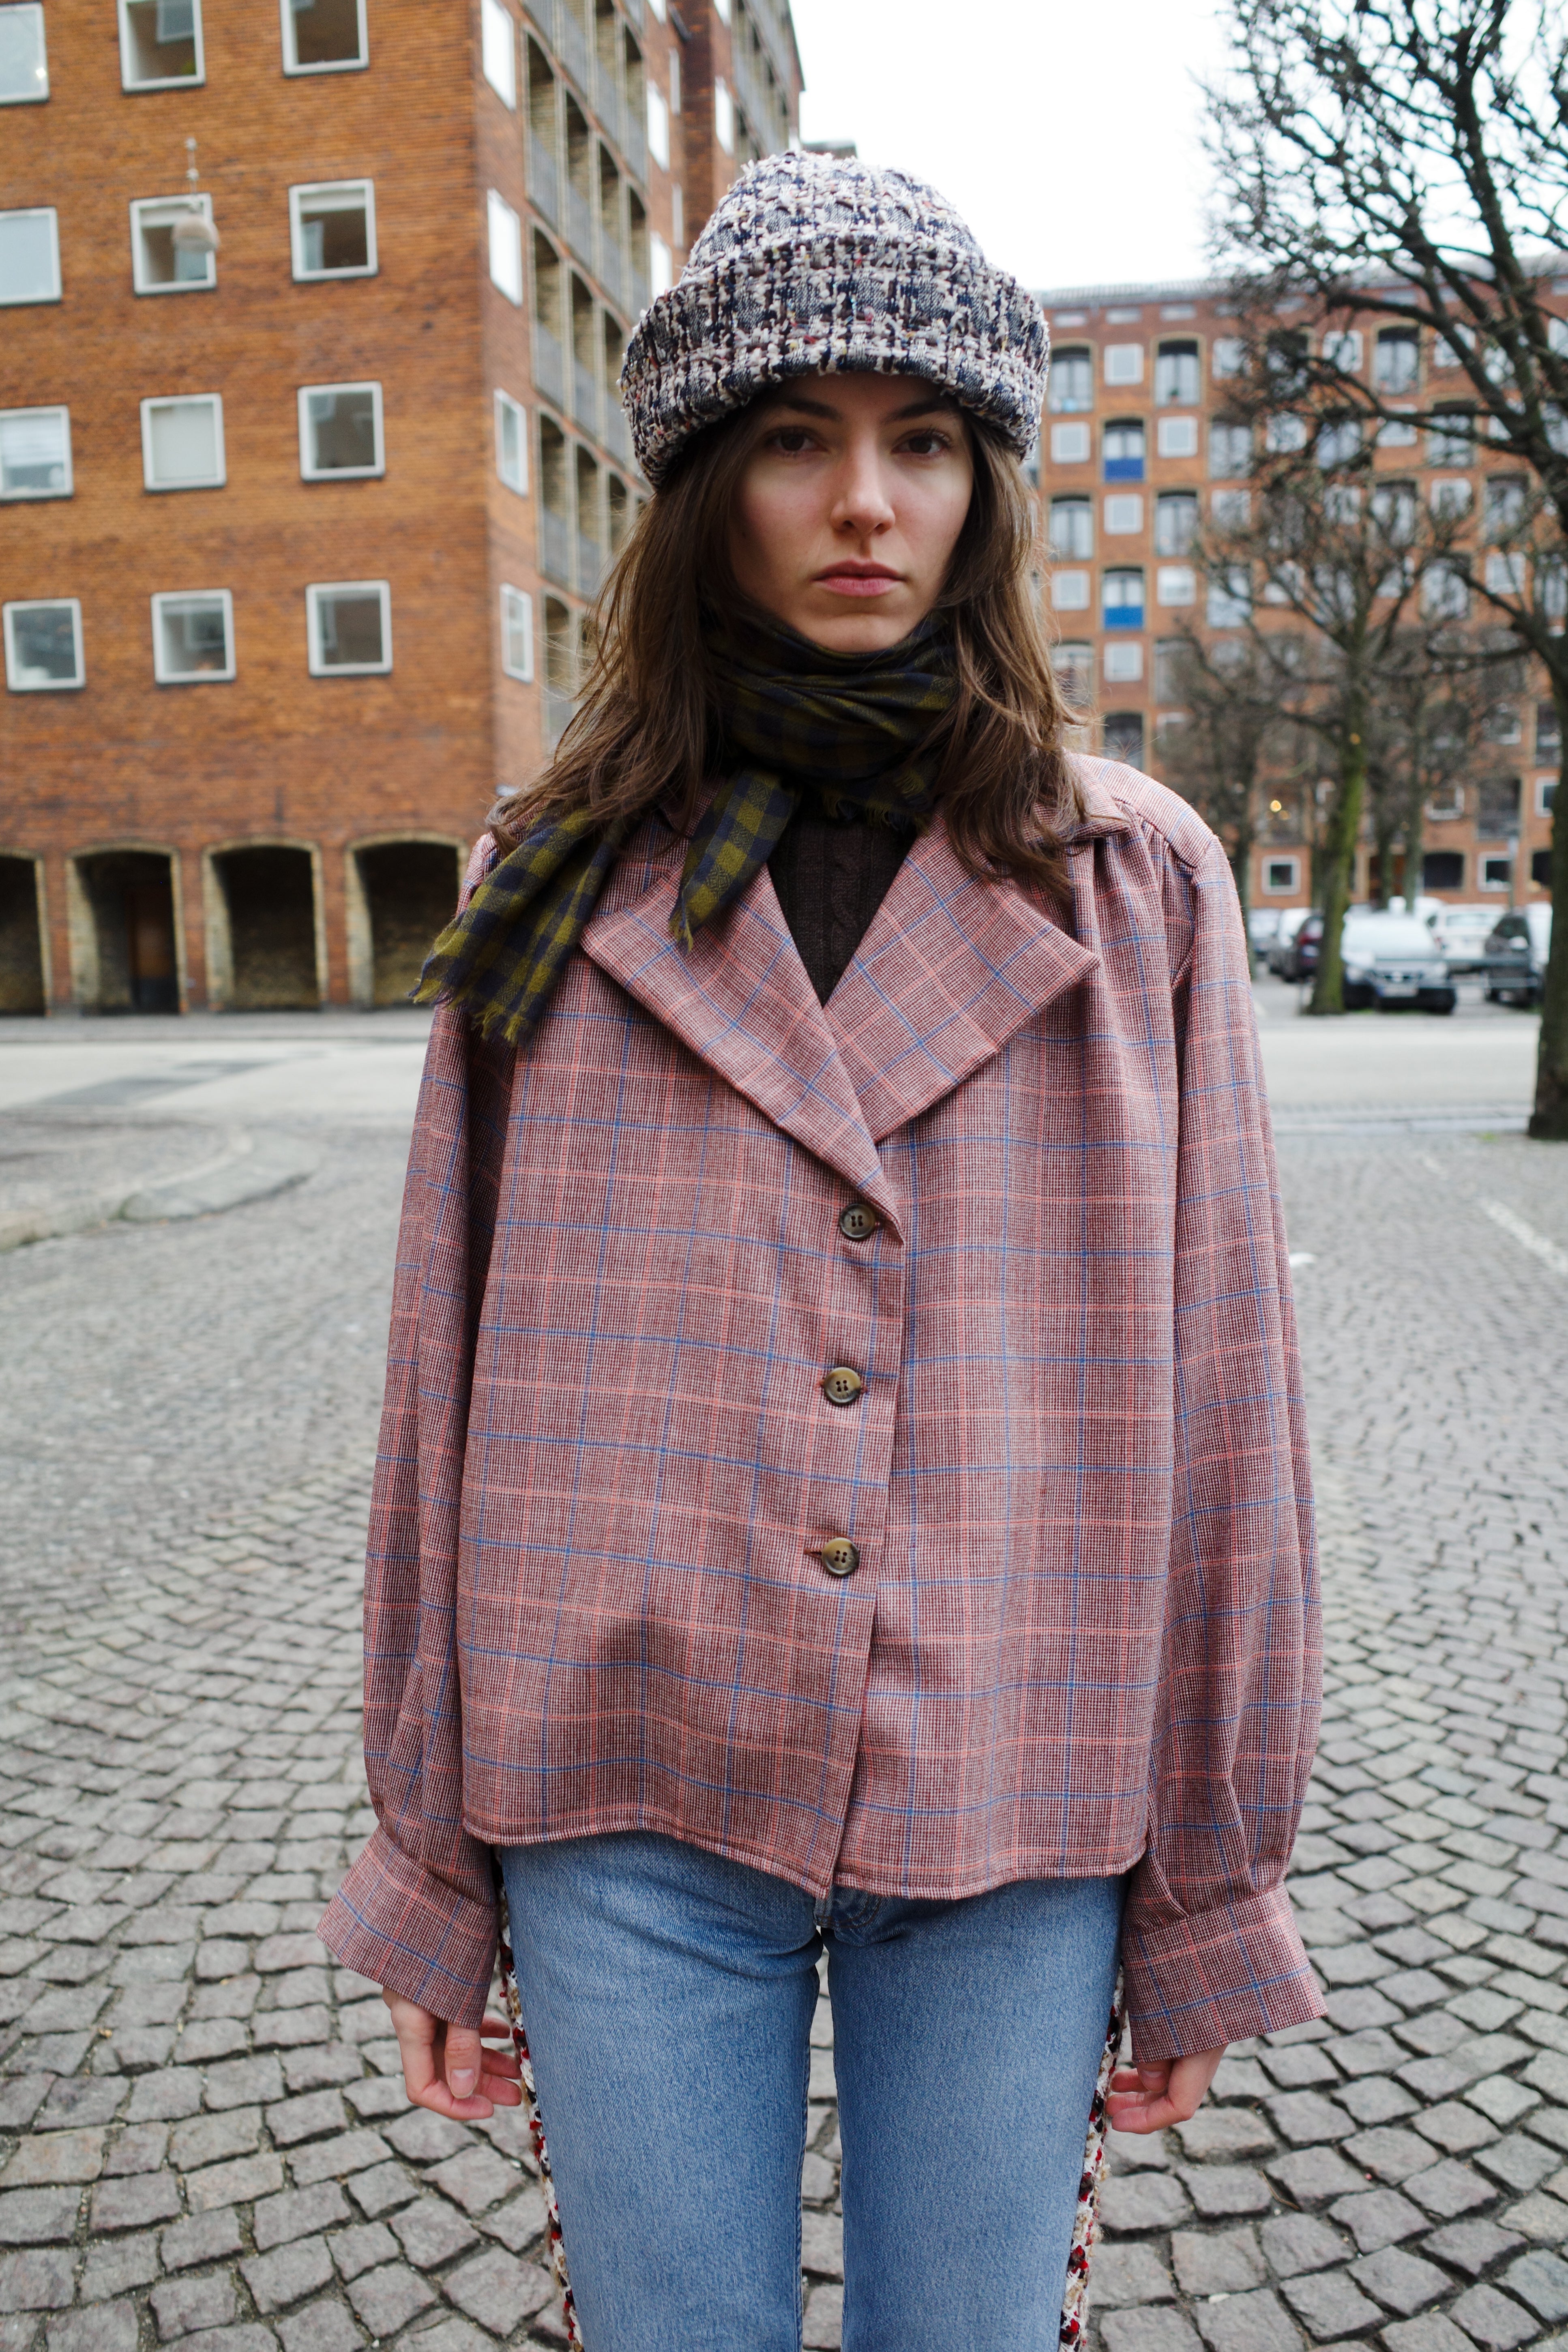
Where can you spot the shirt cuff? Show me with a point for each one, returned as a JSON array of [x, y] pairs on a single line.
[[395, 1922], [1214, 1977]]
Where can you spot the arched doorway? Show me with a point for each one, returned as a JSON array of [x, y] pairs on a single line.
[[21, 940], [265, 958], [408, 891], [125, 946]]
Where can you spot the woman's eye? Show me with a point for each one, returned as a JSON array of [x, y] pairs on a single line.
[[792, 439], [927, 444]]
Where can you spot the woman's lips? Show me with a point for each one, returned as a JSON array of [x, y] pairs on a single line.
[[859, 584]]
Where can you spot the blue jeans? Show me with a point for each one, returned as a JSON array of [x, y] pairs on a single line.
[[668, 1996]]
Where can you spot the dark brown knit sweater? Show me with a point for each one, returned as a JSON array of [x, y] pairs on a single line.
[[831, 877]]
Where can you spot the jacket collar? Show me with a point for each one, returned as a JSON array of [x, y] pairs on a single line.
[[949, 970]]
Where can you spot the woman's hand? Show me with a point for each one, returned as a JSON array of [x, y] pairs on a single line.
[[1160, 2091], [448, 2068]]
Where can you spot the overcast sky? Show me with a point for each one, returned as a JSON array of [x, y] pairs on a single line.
[[1065, 131]]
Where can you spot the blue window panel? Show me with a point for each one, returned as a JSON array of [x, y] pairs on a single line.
[[1124, 469], [1124, 616]]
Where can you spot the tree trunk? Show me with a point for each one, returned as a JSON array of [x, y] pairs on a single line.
[[1384, 842], [1549, 1121], [1415, 846], [1241, 867], [1339, 838]]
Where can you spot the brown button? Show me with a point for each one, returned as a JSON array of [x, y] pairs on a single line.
[[841, 1385], [858, 1222], [838, 1556]]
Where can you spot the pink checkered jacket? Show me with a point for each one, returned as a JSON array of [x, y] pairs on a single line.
[[1080, 1636]]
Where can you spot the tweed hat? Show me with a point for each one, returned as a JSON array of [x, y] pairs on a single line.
[[818, 264]]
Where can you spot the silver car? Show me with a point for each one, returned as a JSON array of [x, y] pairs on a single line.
[[1391, 960]]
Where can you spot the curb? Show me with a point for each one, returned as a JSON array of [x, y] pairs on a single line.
[[247, 1168]]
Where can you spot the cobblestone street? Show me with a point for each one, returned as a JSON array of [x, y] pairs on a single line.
[[204, 2138]]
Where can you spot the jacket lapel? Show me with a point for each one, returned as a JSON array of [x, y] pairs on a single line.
[[741, 1002], [949, 970]]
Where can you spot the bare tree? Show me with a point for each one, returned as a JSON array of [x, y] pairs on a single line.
[[1429, 737], [1229, 738], [1404, 164]]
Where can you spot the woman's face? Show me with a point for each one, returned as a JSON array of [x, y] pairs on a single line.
[[849, 508]]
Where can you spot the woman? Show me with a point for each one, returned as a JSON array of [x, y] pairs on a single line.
[[843, 1483]]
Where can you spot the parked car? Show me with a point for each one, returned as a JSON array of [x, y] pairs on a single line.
[[1279, 947], [1262, 925], [1515, 963], [1299, 961], [1462, 932], [1393, 960]]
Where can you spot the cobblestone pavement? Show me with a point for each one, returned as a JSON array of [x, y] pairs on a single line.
[[204, 2138]]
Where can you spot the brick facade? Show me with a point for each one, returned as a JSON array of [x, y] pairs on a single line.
[[134, 812]]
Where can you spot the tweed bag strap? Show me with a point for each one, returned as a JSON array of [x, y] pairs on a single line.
[[1086, 2221]]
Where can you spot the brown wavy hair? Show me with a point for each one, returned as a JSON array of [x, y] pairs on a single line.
[[648, 728]]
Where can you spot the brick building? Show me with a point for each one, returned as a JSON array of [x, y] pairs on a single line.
[[310, 457], [1137, 448]]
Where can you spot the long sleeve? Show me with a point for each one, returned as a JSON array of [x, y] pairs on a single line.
[[1210, 1946], [417, 1911]]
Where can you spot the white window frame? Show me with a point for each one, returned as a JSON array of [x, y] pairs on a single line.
[[659, 127], [169, 82], [498, 49], [517, 608], [723, 116], [213, 400], [45, 408], [1228, 356], [315, 590], [1341, 346], [1127, 506], [503, 247], [297, 194], [36, 212], [1070, 591], [1281, 889], [661, 263], [192, 676], [1064, 438], [1122, 661], [328, 65], [140, 283], [1484, 880], [1122, 363], [341, 473], [1177, 436], [1543, 785], [49, 685], [505, 406], [30, 97], [1175, 584], [675, 84]]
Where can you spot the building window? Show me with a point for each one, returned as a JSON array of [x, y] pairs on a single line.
[[348, 627], [675, 86], [1229, 596], [1169, 669], [1124, 662], [1122, 600], [1176, 584], [498, 50], [1282, 875], [1496, 873], [657, 128], [1446, 803], [30, 255], [1545, 796], [512, 442], [1070, 445], [1231, 509], [160, 43], [1396, 361], [1548, 733], [724, 117], [517, 633], [1230, 450], [1121, 452], [1450, 437], [173, 245], [1123, 363], [1176, 381], [1074, 667], [1449, 495], [193, 638], [340, 431], [1125, 736], [1071, 381], [1338, 441], [1069, 591], [1175, 522], [182, 443], [1177, 436], [661, 265], [678, 213], [323, 36], [1284, 433], [333, 228], [506, 248], [1443, 869], [34, 453], [1072, 526], [24, 59], [1503, 724], [1396, 435], [1343, 349], [43, 645], [1505, 573], [1505, 505], [1227, 357], [1124, 513], [1445, 592]]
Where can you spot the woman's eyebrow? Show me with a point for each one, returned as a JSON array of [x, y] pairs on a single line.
[[928, 404]]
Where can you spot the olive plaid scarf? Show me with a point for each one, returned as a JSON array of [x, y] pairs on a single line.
[[852, 728]]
